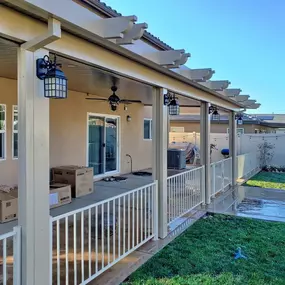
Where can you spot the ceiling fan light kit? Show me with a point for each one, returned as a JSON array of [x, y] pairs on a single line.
[[114, 100]]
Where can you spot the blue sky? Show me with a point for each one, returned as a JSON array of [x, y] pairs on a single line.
[[242, 40]]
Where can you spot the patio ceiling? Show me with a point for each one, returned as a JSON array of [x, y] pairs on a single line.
[[86, 79]]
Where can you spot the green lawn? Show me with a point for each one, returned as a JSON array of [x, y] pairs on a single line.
[[204, 255], [267, 180]]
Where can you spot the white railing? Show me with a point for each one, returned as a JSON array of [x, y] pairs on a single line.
[[221, 176], [184, 192], [90, 240], [10, 257], [248, 164]]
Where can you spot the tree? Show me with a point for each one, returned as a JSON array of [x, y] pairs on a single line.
[[266, 153]]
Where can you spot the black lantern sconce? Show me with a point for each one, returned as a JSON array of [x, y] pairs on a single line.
[[55, 82], [239, 119], [172, 103], [215, 113]]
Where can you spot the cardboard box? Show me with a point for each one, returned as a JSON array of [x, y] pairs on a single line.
[[80, 179], [8, 206], [60, 194]]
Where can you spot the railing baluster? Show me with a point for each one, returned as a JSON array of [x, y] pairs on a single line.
[[141, 205], [133, 221], [5, 261], [145, 209], [66, 252], [119, 227], [102, 235], [137, 215], [114, 230], [82, 246], [75, 250], [58, 250], [124, 224], [108, 232], [96, 239], [89, 242]]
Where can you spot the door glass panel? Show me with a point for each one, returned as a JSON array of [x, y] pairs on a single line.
[[111, 144], [96, 144]]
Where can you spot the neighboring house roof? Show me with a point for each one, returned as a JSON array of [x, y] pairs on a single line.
[[110, 12], [278, 118], [224, 119]]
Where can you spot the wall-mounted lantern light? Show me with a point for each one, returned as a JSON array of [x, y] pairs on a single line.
[[129, 118], [173, 104], [239, 119], [55, 82], [215, 113]]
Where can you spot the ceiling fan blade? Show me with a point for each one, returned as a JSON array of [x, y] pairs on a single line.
[[97, 99], [130, 101]]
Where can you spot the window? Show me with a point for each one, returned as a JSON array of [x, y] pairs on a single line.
[[15, 133], [239, 131], [2, 131], [147, 130]]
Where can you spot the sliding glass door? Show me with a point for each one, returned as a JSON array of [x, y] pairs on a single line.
[[103, 144]]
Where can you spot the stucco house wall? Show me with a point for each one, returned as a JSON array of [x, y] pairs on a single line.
[[68, 132]]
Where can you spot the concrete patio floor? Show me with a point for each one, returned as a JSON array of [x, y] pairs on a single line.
[[252, 202], [102, 190]]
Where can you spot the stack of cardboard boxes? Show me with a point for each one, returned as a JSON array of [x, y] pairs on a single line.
[[67, 182]]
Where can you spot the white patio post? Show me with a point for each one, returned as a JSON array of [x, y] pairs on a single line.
[[159, 146], [33, 170], [205, 148], [233, 147]]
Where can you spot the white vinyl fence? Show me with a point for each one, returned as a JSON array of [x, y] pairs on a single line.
[[88, 241], [184, 192], [221, 176], [248, 164], [10, 257]]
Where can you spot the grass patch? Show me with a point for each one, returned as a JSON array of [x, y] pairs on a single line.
[[204, 254], [267, 180]]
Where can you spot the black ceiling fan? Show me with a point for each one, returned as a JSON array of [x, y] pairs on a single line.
[[114, 100]]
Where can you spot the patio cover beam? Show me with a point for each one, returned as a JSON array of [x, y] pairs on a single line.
[[104, 54], [217, 85], [241, 98], [253, 106], [248, 102], [168, 58], [231, 92], [135, 33], [197, 75]]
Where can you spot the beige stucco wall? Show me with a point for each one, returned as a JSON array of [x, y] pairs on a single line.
[[68, 132]]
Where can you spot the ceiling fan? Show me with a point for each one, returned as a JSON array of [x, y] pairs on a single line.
[[114, 100]]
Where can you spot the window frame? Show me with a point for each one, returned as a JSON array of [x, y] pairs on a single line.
[[5, 133], [15, 131], [150, 129]]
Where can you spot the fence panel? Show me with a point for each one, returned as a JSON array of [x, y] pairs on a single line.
[[247, 164], [184, 192], [90, 240]]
